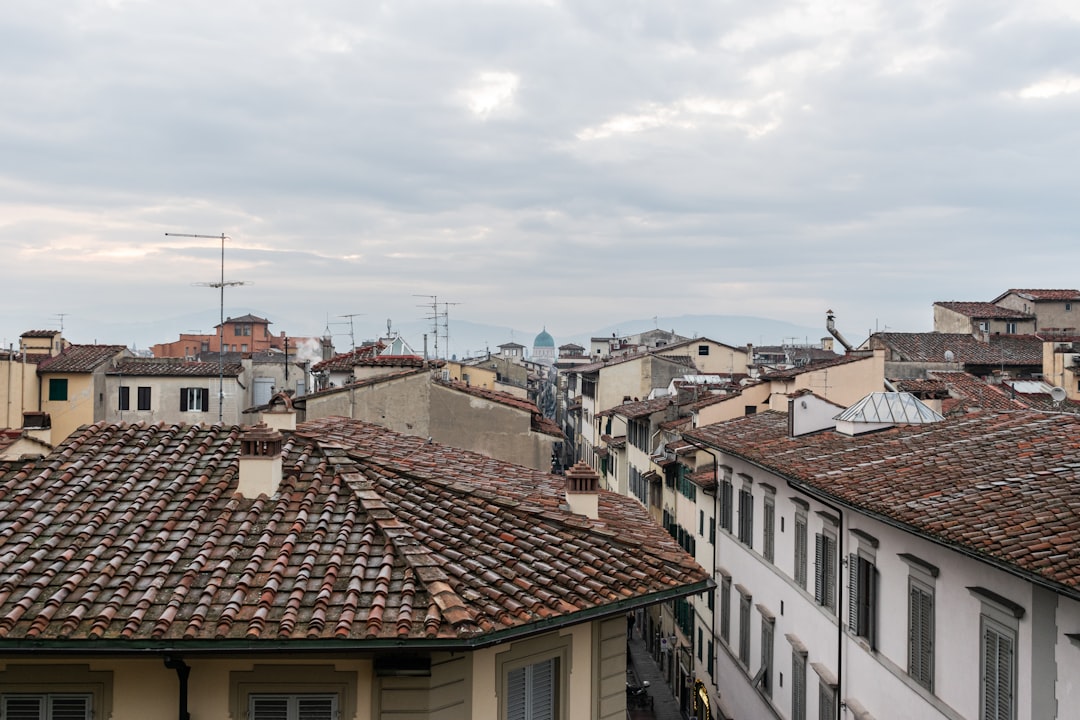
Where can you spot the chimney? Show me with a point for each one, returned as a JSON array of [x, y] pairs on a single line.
[[582, 490], [280, 415], [260, 461], [37, 425]]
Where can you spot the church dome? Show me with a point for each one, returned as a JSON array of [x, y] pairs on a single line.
[[544, 340]]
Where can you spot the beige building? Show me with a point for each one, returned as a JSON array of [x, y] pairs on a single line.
[[172, 390], [338, 571], [1053, 309], [18, 386], [71, 388], [981, 319], [418, 402]]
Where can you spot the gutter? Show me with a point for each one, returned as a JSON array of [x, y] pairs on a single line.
[[223, 647]]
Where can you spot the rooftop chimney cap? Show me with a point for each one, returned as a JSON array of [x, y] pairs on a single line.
[[260, 441], [580, 478]]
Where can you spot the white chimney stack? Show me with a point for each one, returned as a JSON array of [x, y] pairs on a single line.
[[583, 490], [260, 461]]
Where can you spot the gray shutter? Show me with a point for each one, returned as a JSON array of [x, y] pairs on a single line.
[[798, 686], [872, 606], [826, 702], [543, 690], [269, 707], [997, 674], [515, 694], [24, 707], [69, 707], [315, 707], [819, 568], [854, 616], [921, 636], [830, 573], [800, 552]]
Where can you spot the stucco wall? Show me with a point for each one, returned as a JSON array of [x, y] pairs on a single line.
[[400, 404], [165, 399], [18, 391]]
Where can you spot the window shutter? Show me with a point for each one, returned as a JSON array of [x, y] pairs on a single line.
[[543, 690], [315, 707], [997, 674], [800, 552], [24, 707], [921, 636], [269, 707], [826, 704], [183, 399], [819, 568], [871, 606], [769, 522], [69, 707], [798, 686], [830, 572], [854, 616], [204, 399]]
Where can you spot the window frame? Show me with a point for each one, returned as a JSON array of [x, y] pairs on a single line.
[[745, 603], [863, 585], [530, 652], [292, 711], [921, 631], [123, 398], [725, 608], [798, 684], [746, 516], [60, 680], [194, 399], [768, 527], [144, 398], [802, 537], [58, 389], [291, 680], [825, 561]]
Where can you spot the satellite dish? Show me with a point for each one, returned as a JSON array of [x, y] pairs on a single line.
[[949, 356], [1058, 394]]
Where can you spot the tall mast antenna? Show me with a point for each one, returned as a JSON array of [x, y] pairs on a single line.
[[221, 324]]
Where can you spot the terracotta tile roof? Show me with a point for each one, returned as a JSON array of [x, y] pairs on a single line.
[[391, 361], [705, 478], [931, 347], [1000, 485], [133, 536], [538, 422], [248, 318], [40, 333], [985, 310], [344, 362], [80, 359], [638, 408], [619, 441], [366, 382], [974, 393], [821, 365], [173, 367], [1037, 295], [684, 360]]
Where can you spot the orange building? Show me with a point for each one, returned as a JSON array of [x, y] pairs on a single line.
[[245, 334]]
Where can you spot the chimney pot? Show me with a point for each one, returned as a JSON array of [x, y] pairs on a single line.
[[260, 461], [582, 490]]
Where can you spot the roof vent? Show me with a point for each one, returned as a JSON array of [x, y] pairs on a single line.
[[260, 461], [582, 490]]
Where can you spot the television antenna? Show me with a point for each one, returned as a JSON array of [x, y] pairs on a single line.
[[221, 285], [440, 320]]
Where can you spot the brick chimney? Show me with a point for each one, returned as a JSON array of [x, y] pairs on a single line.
[[583, 490], [260, 461]]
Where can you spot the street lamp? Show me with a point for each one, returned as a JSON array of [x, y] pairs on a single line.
[[221, 324]]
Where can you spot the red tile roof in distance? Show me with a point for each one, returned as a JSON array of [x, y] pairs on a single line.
[[1043, 295], [80, 359], [985, 310], [1004, 486], [173, 367], [132, 536]]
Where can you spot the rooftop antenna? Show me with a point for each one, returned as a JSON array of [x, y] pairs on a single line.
[[62, 316], [439, 319], [352, 352], [221, 285]]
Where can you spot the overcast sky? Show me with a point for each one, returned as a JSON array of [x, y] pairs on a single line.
[[568, 164]]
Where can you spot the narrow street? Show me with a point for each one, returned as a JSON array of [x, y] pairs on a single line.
[[640, 667]]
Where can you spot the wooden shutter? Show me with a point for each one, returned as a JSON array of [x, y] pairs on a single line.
[[921, 636], [798, 686], [997, 675], [819, 569], [800, 551], [854, 598], [204, 399], [826, 701], [183, 399]]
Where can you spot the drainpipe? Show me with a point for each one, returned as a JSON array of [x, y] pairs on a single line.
[[182, 671]]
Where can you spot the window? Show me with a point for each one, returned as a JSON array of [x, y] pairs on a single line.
[[702, 349], [701, 523], [47, 706], [144, 398], [921, 633], [710, 662], [798, 685], [292, 707], [58, 389], [726, 501], [242, 329], [800, 549], [1010, 328], [194, 399], [825, 571], [744, 629], [746, 517], [292, 692], [764, 676], [725, 608], [862, 598], [826, 701], [998, 671], [768, 523], [243, 347], [531, 691], [124, 399], [54, 692]]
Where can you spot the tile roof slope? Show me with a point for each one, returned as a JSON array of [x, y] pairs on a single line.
[[1042, 294], [1001, 485], [975, 393], [539, 423], [931, 347], [134, 534], [174, 367], [639, 408], [80, 358], [40, 333], [811, 367], [343, 362], [984, 310]]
